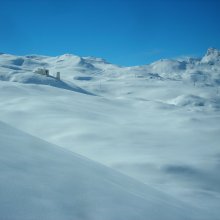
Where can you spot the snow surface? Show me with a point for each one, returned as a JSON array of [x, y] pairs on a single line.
[[43, 181], [157, 123]]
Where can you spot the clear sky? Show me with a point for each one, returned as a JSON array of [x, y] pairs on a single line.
[[125, 32]]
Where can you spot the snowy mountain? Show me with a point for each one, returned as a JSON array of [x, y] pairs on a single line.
[[150, 133], [88, 68]]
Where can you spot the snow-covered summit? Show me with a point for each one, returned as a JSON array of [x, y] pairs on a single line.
[[96, 60], [212, 56]]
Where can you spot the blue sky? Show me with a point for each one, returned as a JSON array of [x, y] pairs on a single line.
[[125, 32]]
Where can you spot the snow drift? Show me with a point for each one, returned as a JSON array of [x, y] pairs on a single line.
[[43, 181]]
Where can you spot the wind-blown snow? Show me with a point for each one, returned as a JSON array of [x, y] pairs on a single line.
[[158, 123], [43, 181]]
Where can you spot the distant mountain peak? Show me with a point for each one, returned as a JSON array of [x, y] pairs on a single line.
[[93, 59], [213, 51], [67, 55], [212, 55]]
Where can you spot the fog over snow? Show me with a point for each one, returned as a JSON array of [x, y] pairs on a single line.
[[109, 142]]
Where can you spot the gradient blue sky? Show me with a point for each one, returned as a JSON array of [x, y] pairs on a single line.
[[125, 32]]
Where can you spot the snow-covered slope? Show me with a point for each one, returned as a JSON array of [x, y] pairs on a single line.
[[43, 181], [22, 70], [158, 123]]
